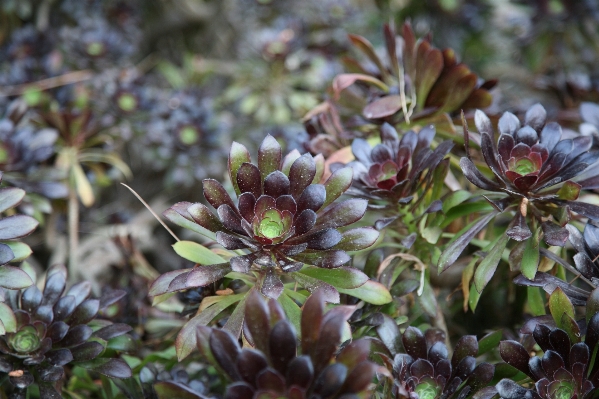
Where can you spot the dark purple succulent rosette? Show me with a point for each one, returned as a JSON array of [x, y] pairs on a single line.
[[50, 330], [278, 367], [392, 170], [426, 371], [527, 161], [283, 218], [567, 368]]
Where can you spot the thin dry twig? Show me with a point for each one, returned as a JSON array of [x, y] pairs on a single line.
[[152, 212], [49, 83]]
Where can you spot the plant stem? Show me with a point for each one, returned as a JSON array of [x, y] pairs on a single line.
[[73, 220]]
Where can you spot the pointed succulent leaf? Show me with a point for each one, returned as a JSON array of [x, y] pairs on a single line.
[[276, 184], [328, 259], [249, 179], [337, 184], [257, 320], [269, 156], [225, 349], [8, 321], [215, 194], [237, 156], [312, 198], [357, 239], [535, 117], [289, 160], [475, 177], [382, 107], [113, 368], [204, 217], [514, 354], [201, 276], [461, 240], [271, 285], [239, 390], [342, 214], [508, 389], [301, 174]]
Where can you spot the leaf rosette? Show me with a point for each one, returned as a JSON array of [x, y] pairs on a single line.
[[283, 219], [44, 331]]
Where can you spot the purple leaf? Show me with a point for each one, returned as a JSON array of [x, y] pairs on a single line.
[[342, 214], [475, 177], [271, 285], [357, 239], [276, 184], [249, 180], [17, 226], [201, 276], [113, 368], [518, 229], [216, 195], [327, 259], [204, 217], [301, 174], [514, 354], [269, 156], [237, 156]]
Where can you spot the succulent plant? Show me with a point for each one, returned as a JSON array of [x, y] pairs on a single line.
[[12, 228], [284, 218], [158, 383], [417, 82], [283, 227], [274, 368], [25, 152], [568, 368], [391, 172], [533, 170], [47, 330], [423, 370]]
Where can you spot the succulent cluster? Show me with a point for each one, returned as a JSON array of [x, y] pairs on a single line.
[[533, 169], [422, 368], [26, 151], [392, 171], [284, 218], [275, 367], [47, 330], [568, 368]]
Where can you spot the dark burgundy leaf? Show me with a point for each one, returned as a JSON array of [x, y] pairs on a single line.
[[225, 349], [250, 363], [305, 222], [53, 289], [286, 203], [342, 214], [269, 156], [201, 276], [31, 298], [57, 331], [330, 380], [239, 390], [582, 208], [475, 177], [276, 184], [414, 343], [76, 336], [518, 229], [466, 346], [312, 198], [60, 357], [112, 330], [249, 180], [300, 372], [535, 117], [554, 234], [84, 312], [114, 368], [271, 285], [110, 297], [514, 354], [87, 351], [359, 378], [508, 124], [64, 307], [551, 135], [81, 291], [508, 389], [301, 174], [282, 344], [231, 242], [270, 380], [202, 216], [230, 219], [328, 259], [215, 194]]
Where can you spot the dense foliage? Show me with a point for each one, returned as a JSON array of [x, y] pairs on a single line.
[[420, 220]]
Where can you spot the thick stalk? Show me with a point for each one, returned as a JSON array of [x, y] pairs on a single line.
[[73, 220]]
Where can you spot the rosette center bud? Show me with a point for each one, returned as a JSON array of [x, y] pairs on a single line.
[[26, 340]]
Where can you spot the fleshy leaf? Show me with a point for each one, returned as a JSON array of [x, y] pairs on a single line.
[[371, 291], [237, 156], [14, 278], [269, 156], [16, 226], [343, 277]]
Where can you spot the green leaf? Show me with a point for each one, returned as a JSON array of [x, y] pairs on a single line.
[[342, 277], [559, 304], [8, 321], [186, 340], [19, 249], [123, 343], [461, 241], [530, 259], [312, 284], [10, 197], [427, 300], [473, 298], [235, 321], [455, 198], [569, 191], [197, 253], [535, 301], [293, 312], [14, 278], [570, 326], [371, 291], [489, 342], [431, 234], [486, 268]]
